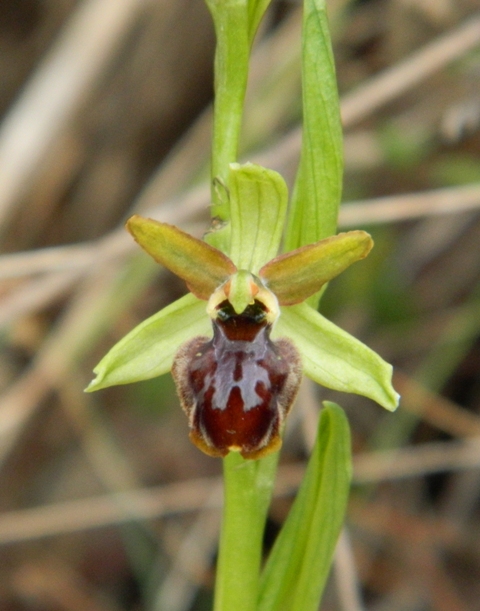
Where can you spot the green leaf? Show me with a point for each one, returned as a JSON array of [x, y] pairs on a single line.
[[256, 9], [203, 267], [297, 275], [334, 358], [298, 566], [318, 185], [258, 204], [148, 350]]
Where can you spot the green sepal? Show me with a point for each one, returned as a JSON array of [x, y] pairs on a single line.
[[148, 350], [258, 204], [299, 563], [203, 267], [334, 358], [297, 275]]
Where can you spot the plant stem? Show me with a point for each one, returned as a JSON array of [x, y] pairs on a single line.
[[248, 487], [231, 72], [248, 484]]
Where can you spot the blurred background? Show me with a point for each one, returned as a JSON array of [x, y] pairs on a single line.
[[105, 111]]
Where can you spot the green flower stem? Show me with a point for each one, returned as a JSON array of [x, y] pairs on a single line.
[[248, 488], [248, 484], [230, 18], [250, 218]]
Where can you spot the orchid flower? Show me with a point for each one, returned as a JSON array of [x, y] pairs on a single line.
[[238, 343]]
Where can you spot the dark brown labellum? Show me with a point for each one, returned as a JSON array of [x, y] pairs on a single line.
[[238, 387]]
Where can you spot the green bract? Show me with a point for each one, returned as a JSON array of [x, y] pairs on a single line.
[[258, 199]]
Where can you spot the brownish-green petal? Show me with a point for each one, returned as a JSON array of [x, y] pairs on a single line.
[[203, 267], [298, 274]]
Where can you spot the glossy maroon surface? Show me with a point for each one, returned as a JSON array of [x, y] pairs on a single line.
[[237, 387]]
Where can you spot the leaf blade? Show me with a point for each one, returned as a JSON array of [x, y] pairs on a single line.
[[298, 566], [256, 10], [318, 184]]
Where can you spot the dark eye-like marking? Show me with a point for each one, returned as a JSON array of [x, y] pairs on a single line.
[[253, 313], [238, 387]]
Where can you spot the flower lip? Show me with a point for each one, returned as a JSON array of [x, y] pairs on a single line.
[[238, 387]]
